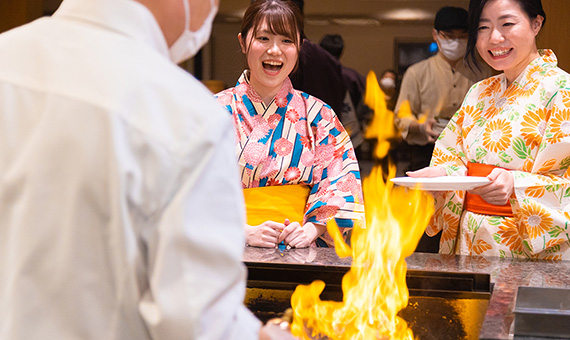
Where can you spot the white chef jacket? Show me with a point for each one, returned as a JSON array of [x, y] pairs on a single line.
[[121, 212]]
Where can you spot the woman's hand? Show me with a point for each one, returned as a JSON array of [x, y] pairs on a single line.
[[499, 190], [298, 236], [430, 171], [264, 235]]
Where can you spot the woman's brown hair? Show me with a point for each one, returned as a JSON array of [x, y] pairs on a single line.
[[283, 17]]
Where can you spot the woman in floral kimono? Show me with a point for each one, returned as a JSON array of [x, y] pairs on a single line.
[[298, 167], [513, 128]]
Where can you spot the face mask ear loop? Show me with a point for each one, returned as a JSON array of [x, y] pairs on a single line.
[[213, 6], [186, 14]]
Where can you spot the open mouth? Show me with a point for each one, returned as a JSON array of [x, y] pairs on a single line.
[[272, 66], [500, 52]]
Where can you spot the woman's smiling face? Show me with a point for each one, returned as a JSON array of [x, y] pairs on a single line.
[[506, 37], [271, 58]]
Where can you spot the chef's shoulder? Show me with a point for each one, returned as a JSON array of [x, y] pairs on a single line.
[[171, 106]]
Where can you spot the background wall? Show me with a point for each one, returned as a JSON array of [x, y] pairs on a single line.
[[368, 47], [18, 12], [556, 32]]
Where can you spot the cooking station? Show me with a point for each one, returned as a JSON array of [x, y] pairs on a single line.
[[455, 289]]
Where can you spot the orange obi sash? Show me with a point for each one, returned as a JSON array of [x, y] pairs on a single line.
[[276, 203], [476, 203]]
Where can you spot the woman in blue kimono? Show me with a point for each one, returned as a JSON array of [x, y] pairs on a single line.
[[298, 167]]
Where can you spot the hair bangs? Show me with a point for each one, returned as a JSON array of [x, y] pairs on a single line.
[[281, 21]]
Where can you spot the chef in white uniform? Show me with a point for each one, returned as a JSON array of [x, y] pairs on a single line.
[[114, 167]]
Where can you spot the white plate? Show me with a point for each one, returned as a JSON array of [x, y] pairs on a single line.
[[442, 183]]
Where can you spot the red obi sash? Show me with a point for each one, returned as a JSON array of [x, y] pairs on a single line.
[[476, 203]]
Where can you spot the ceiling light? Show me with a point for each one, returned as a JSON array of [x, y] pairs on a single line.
[[407, 14]]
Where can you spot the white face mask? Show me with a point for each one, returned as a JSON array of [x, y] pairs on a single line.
[[388, 83], [453, 49], [189, 43]]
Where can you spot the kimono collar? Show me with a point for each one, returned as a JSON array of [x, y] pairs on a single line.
[[547, 60], [244, 87], [126, 17]]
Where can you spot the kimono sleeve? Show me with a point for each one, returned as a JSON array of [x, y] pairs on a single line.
[[337, 190], [542, 187], [448, 152]]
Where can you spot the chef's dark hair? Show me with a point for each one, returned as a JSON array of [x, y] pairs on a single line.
[[532, 8], [333, 43]]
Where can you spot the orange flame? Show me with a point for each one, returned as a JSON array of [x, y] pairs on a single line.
[[382, 126], [374, 290], [405, 112]]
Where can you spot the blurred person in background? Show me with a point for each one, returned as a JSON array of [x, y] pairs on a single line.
[[297, 164], [114, 164], [389, 85], [354, 82], [511, 129], [432, 91], [354, 110], [319, 74]]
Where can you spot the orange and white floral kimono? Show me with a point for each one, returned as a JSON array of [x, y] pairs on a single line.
[[524, 128]]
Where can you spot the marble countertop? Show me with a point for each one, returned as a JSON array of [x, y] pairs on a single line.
[[506, 276]]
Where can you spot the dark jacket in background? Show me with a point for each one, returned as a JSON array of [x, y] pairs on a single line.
[[355, 83], [320, 74]]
